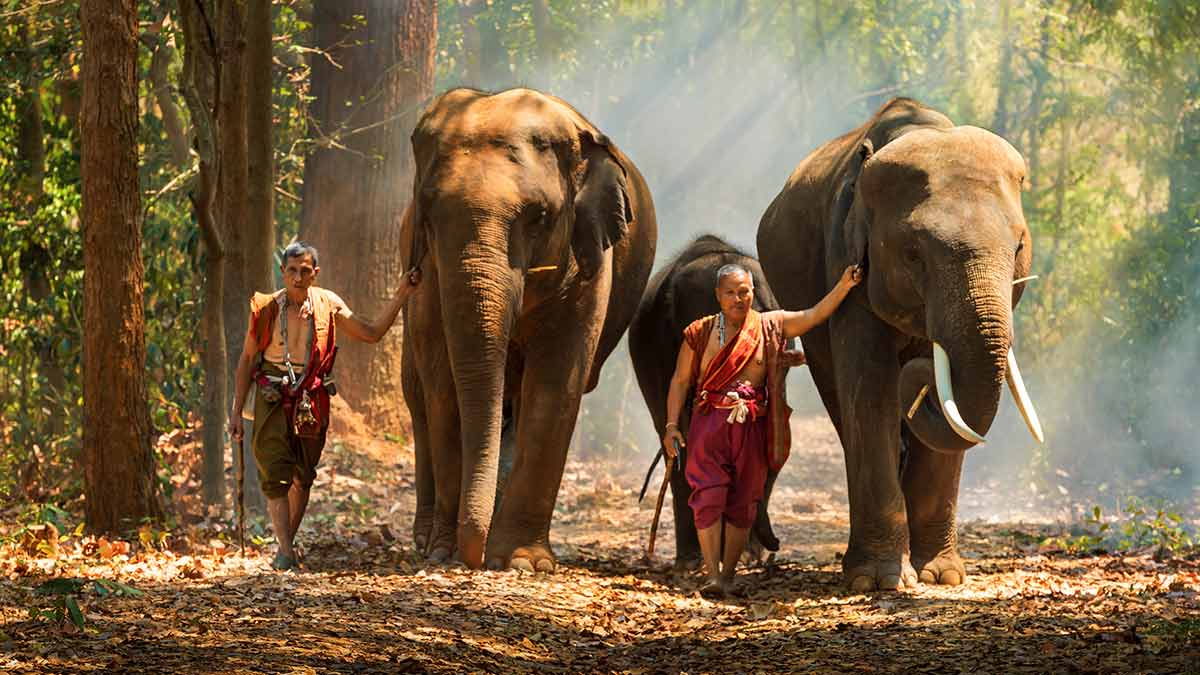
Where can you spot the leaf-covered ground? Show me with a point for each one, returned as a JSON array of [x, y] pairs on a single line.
[[364, 603]]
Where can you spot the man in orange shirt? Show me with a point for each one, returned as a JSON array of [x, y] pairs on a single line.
[[288, 355]]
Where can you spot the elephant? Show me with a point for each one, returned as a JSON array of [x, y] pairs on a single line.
[[535, 236], [678, 294], [916, 356]]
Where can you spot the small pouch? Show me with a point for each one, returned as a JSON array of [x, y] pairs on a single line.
[[306, 415]]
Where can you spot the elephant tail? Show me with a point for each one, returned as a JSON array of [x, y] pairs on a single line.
[[649, 472]]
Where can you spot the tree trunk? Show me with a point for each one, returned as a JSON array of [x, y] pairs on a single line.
[[119, 480], [233, 172], [354, 197], [543, 32], [468, 12], [1041, 75], [260, 202], [1004, 78], [199, 84], [487, 59], [35, 260], [168, 111]]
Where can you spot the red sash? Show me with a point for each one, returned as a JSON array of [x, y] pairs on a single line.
[[733, 357]]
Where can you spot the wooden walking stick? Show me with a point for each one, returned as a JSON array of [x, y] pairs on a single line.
[[662, 492], [241, 502]]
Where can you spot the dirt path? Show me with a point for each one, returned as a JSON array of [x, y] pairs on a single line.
[[366, 604]]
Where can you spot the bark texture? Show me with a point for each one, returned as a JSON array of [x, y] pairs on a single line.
[[119, 479], [358, 179]]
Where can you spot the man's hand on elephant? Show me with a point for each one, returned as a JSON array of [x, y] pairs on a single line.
[[852, 276], [670, 438]]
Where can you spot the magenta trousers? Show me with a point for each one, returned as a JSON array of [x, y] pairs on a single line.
[[726, 467]]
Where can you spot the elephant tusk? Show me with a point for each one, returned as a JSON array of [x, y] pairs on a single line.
[[941, 376], [912, 410], [1017, 386], [544, 268], [1024, 279]]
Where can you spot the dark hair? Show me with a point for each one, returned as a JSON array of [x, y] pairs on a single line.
[[298, 249], [733, 268]]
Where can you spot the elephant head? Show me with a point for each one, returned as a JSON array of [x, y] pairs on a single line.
[[935, 216], [516, 198]]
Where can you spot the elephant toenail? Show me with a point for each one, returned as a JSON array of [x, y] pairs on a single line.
[[439, 555], [545, 565], [951, 578], [889, 582], [927, 577], [862, 584], [521, 565], [495, 564]]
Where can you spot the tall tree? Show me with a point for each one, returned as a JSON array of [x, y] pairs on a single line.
[[1004, 79], [234, 170], [259, 227], [119, 479], [198, 81], [357, 180]]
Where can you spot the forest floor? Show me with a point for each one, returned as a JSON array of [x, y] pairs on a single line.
[[187, 601]]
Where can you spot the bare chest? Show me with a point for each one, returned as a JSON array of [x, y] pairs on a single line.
[[754, 372]]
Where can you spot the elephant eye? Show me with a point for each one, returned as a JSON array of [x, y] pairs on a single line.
[[912, 254], [1020, 247]]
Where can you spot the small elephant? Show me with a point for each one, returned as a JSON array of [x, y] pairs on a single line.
[[540, 235], [676, 296], [917, 355]]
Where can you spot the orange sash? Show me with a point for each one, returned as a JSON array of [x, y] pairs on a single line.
[[733, 357]]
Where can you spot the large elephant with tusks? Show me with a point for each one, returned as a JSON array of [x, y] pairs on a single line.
[[918, 354], [536, 235]]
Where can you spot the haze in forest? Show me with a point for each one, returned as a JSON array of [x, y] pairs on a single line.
[[722, 110]]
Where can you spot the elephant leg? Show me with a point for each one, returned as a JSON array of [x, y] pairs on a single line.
[[867, 372], [931, 494], [445, 452], [414, 397], [762, 535], [550, 392]]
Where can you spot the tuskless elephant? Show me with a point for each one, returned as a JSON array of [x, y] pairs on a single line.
[[681, 292], [919, 353], [536, 235]]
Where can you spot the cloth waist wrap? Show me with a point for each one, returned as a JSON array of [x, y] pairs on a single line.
[[744, 401]]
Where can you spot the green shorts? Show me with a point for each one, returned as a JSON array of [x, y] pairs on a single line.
[[282, 457]]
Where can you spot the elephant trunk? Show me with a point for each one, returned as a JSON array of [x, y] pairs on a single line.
[[480, 295], [970, 325]]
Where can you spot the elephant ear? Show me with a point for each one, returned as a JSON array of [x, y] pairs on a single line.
[[854, 229], [602, 208]]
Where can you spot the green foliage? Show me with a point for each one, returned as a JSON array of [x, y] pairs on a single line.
[[1140, 524], [65, 593]]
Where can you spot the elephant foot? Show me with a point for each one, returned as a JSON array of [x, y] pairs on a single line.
[[422, 531], [471, 542], [945, 568], [531, 558], [868, 575], [688, 562]]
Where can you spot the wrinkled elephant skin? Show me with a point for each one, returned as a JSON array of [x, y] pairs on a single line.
[[536, 235], [933, 213]]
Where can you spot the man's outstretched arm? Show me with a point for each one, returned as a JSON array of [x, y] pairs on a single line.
[[368, 330], [796, 324]]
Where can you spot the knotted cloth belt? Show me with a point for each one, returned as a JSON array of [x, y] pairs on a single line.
[[739, 407]]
